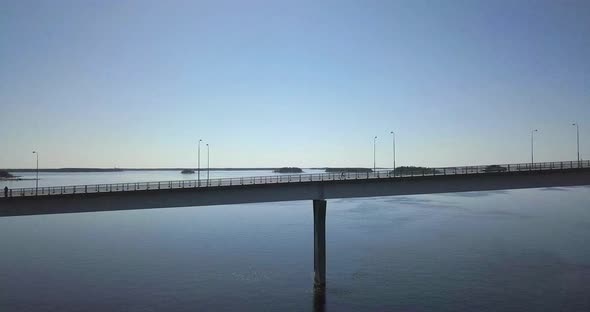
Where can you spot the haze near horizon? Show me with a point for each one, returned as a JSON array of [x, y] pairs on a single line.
[[269, 84]]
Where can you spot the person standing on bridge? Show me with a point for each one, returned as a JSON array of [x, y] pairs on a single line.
[[6, 191]]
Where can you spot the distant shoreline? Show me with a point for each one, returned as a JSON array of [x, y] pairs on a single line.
[[86, 170], [131, 169]]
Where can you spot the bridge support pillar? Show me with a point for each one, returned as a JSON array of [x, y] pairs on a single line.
[[319, 244]]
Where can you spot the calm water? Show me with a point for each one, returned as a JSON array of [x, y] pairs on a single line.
[[521, 250]]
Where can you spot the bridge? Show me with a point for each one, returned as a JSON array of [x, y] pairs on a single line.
[[315, 187]]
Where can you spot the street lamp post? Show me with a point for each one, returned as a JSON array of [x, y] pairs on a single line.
[[374, 153], [393, 134], [37, 175], [207, 164], [533, 146], [577, 140], [199, 162]]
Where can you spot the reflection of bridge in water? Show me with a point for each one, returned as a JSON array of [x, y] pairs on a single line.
[[316, 187]]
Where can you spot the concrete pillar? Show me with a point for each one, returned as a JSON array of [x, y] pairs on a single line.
[[319, 300], [319, 243]]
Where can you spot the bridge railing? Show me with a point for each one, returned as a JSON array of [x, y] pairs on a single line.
[[400, 172]]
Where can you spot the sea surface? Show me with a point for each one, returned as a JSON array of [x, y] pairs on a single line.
[[517, 250]]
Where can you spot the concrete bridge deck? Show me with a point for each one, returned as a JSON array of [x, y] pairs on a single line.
[[89, 198]]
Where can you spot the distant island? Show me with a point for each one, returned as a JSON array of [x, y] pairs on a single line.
[[413, 170], [5, 175], [187, 171], [348, 170], [288, 170]]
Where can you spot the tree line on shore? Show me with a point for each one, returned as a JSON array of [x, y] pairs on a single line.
[[5, 174]]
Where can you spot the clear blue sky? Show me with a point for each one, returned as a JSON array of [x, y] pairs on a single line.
[[292, 83]]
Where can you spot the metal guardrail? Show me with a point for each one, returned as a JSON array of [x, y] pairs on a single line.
[[295, 178]]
